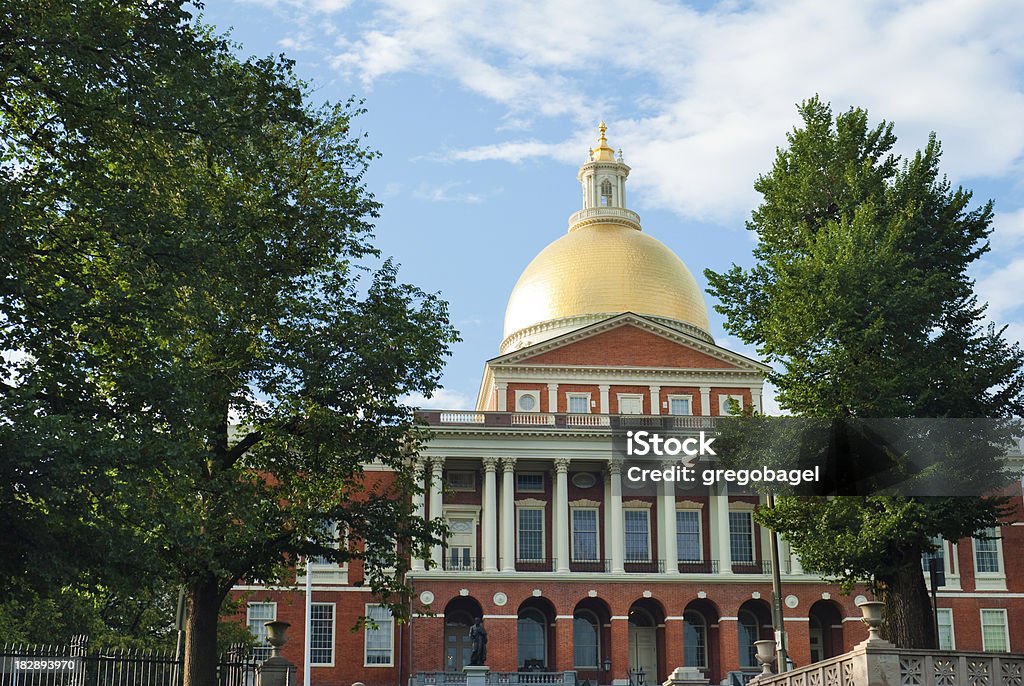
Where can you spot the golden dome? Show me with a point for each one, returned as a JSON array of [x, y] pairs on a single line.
[[604, 269]]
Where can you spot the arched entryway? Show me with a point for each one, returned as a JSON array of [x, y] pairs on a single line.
[[646, 636], [591, 639], [825, 630], [459, 614], [754, 623], [700, 638], [535, 644]]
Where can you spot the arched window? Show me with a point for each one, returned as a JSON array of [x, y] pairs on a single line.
[[586, 642], [748, 634], [606, 193], [532, 636], [695, 640]]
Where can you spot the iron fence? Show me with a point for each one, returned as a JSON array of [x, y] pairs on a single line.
[[74, 664]]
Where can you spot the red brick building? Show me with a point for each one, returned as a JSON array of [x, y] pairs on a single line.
[[571, 569]]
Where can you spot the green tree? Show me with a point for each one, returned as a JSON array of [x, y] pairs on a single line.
[[860, 297], [198, 357]]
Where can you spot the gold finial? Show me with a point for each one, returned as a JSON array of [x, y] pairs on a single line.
[[602, 153]]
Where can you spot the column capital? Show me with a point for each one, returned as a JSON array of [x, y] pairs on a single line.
[[501, 385], [508, 464], [490, 464], [552, 387], [604, 387], [562, 465], [614, 467], [705, 389], [654, 387], [437, 464]]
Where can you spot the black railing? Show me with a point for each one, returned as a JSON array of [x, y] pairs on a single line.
[[698, 566], [645, 566], [752, 567], [539, 565], [589, 565], [473, 564]]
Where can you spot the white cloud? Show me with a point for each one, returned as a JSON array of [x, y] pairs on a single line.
[[1002, 290], [717, 88], [443, 399], [1009, 230], [447, 192]]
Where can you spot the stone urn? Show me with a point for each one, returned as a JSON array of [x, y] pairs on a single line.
[[276, 636], [765, 655]]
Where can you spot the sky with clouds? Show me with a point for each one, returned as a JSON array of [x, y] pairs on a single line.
[[484, 111]]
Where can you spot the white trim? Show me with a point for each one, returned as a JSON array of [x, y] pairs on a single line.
[[678, 396], [391, 649], [334, 634], [952, 627], [723, 403], [569, 395], [619, 397], [1006, 627], [572, 530]]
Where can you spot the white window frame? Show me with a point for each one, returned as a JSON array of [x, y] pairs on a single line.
[[723, 403], [470, 512], [531, 392], [543, 482], [334, 633], [391, 641], [990, 581], [647, 513], [947, 612], [700, 535], [1006, 628], [597, 532], [639, 397], [676, 396], [596, 623], [261, 636], [570, 396], [461, 487], [543, 532], [753, 537]]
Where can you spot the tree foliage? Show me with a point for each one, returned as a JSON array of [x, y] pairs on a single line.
[[860, 297], [198, 357]]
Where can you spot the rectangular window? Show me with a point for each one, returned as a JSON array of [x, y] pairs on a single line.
[[584, 535], [579, 403], [741, 536], [947, 641], [994, 637], [679, 406], [986, 551], [531, 533], [256, 615], [631, 404], [379, 638], [939, 555], [332, 532], [688, 543], [462, 480], [321, 640], [638, 535], [527, 482]]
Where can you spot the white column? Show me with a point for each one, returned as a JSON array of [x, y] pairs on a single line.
[[418, 505], [552, 397], [489, 510], [655, 399], [561, 521], [722, 529], [785, 556], [508, 514], [755, 399], [436, 504], [667, 509], [604, 397], [502, 400], [618, 535], [705, 401]]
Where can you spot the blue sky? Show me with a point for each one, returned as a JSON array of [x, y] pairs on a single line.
[[484, 111]]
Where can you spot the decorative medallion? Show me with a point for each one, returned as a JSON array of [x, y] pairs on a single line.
[[592, 593], [647, 594], [500, 599], [756, 595], [537, 593], [426, 597], [860, 600], [792, 601], [463, 592], [702, 594], [826, 596]]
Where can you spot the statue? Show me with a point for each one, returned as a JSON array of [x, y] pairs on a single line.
[[478, 636]]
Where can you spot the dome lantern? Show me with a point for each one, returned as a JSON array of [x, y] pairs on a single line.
[[603, 178]]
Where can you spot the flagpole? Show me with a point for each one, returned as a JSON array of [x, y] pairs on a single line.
[[307, 626]]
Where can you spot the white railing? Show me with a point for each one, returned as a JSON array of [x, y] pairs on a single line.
[[587, 420], [462, 417], [692, 422], [867, 665], [612, 212], [533, 419]]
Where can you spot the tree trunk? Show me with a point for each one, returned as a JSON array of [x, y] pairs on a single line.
[[907, 621], [202, 598]]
